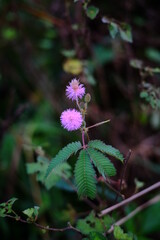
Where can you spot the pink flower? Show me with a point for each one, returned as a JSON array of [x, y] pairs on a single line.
[[71, 119], [75, 90]]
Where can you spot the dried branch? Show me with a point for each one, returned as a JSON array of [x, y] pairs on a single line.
[[133, 213], [70, 227], [130, 199], [123, 173]]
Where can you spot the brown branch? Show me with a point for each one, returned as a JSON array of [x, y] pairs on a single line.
[[70, 227], [134, 212], [123, 173], [130, 199], [43, 15]]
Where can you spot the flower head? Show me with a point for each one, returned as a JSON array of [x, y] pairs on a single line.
[[75, 90], [71, 119]]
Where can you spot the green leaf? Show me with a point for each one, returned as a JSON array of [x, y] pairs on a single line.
[[9, 33], [125, 32], [92, 12], [120, 235], [63, 155], [143, 94], [101, 146], [90, 224], [113, 29], [108, 221], [85, 176], [96, 236], [31, 213], [103, 55], [68, 53], [40, 168], [103, 164], [153, 54], [6, 207], [62, 170]]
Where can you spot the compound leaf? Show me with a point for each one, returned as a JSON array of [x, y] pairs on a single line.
[[101, 146], [85, 176], [103, 164], [63, 155]]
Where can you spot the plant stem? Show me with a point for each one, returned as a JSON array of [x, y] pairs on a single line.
[[123, 172], [70, 227], [83, 141], [134, 212], [98, 124], [130, 199]]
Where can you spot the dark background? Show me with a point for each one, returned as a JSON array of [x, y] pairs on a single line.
[[33, 35]]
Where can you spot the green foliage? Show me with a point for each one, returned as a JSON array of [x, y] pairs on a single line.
[[113, 29], [101, 146], [68, 53], [151, 95], [103, 164], [96, 236], [103, 55], [120, 235], [108, 221], [153, 54], [85, 176], [31, 213], [125, 32], [150, 224], [92, 12], [6, 207], [9, 33], [61, 171], [94, 227], [63, 155], [90, 224]]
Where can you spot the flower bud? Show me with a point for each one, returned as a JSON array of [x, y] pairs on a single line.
[[87, 98]]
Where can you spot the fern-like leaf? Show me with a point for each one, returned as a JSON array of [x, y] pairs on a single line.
[[103, 164], [101, 146], [63, 155], [85, 176]]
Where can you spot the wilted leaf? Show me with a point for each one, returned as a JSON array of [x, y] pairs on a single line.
[[73, 66]]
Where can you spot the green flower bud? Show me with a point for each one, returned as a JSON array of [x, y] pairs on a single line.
[[87, 98]]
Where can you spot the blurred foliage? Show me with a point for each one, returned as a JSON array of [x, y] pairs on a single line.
[[113, 47]]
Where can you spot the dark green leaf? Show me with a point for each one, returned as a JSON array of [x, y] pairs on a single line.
[[92, 12], [31, 213], [85, 176], [113, 29], [103, 164], [63, 155], [125, 32], [96, 236], [120, 235], [101, 146], [90, 224]]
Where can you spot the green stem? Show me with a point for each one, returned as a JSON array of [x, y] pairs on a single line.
[[83, 141]]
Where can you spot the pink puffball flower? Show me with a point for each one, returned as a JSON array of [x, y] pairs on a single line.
[[75, 90], [71, 119]]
